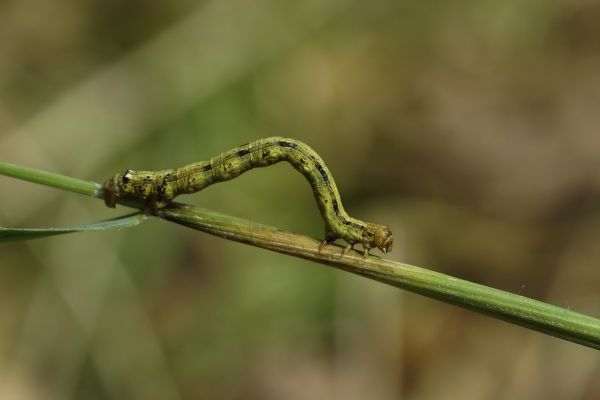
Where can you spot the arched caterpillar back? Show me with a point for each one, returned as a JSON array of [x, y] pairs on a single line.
[[161, 187]]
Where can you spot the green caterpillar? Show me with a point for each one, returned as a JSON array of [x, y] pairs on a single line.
[[161, 187]]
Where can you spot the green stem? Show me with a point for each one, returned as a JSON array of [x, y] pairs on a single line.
[[519, 310], [533, 314], [51, 179]]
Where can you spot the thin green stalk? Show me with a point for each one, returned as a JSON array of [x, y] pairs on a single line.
[[51, 179], [533, 314], [519, 310]]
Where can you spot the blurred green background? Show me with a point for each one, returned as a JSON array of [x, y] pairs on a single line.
[[470, 128]]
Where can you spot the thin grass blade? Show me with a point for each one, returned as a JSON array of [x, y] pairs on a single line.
[[123, 222]]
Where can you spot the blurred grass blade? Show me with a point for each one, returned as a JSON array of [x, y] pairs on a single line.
[[519, 310], [125, 221]]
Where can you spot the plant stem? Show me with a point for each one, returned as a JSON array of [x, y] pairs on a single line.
[[519, 310], [51, 179]]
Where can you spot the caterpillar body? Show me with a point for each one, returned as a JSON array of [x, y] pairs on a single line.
[[161, 187]]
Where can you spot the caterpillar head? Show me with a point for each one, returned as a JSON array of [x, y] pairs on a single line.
[[117, 187], [378, 236]]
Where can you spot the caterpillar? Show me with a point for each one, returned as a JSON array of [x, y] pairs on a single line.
[[159, 188]]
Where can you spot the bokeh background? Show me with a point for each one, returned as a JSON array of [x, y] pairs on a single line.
[[470, 128]]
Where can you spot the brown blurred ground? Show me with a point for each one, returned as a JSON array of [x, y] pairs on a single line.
[[471, 128]]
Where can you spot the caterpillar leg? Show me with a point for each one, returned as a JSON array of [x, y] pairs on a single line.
[[149, 208], [348, 248], [153, 205], [366, 249], [330, 237], [323, 243]]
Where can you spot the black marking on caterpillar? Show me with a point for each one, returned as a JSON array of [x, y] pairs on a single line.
[[161, 187]]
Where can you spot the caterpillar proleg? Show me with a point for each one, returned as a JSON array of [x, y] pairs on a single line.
[[161, 187]]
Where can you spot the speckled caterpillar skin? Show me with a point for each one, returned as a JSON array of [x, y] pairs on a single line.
[[161, 187]]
